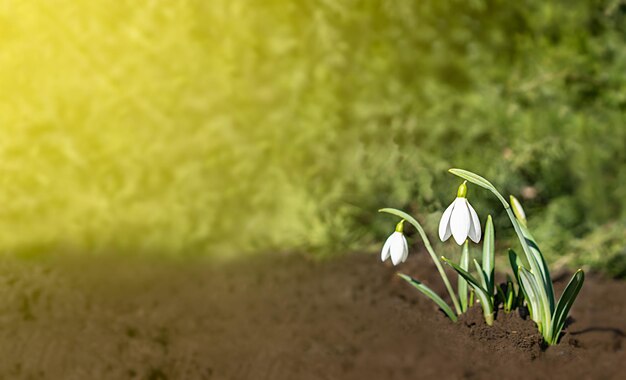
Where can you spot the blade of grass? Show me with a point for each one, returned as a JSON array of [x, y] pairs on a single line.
[[489, 254], [430, 294], [501, 295], [565, 303], [465, 274], [531, 287], [484, 282], [515, 261], [543, 266], [486, 301], [510, 295]]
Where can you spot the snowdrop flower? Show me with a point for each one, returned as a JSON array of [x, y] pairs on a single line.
[[460, 220], [396, 246]]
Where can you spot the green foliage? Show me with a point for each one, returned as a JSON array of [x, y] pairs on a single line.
[[489, 252], [603, 249], [534, 281], [565, 303], [486, 299], [223, 126], [430, 294]]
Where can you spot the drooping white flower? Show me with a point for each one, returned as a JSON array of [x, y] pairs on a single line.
[[396, 246], [460, 220]]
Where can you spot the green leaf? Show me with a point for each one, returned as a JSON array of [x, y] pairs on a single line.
[[541, 264], [515, 264], [462, 283], [533, 296], [510, 295], [486, 300], [482, 276], [516, 260], [430, 294], [489, 254], [565, 303], [501, 295], [465, 274]]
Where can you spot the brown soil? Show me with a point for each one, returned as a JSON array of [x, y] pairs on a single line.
[[280, 317]]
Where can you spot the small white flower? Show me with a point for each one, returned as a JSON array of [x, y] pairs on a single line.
[[460, 220], [396, 246]]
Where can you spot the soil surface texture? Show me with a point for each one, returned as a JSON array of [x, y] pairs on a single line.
[[281, 317]]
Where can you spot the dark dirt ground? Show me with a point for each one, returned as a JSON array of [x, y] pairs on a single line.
[[279, 317]]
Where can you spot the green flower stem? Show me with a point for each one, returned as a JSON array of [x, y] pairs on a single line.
[[430, 250]]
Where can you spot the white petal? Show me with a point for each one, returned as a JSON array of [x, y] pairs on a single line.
[[444, 223], [475, 232], [397, 248], [406, 249], [460, 221], [384, 254]]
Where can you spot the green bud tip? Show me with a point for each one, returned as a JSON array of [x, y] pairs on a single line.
[[400, 226], [518, 210], [462, 192]]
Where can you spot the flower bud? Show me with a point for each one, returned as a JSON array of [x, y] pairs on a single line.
[[518, 210]]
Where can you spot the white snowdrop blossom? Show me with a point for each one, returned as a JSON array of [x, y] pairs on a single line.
[[460, 220], [396, 246]]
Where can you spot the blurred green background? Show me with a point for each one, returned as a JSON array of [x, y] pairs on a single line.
[[229, 126]]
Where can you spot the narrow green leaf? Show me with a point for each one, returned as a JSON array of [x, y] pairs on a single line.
[[486, 301], [482, 276], [465, 274], [532, 291], [489, 254], [510, 295], [516, 263], [430, 294], [462, 283], [541, 263], [565, 303], [501, 295]]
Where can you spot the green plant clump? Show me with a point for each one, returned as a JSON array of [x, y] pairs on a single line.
[[530, 268]]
